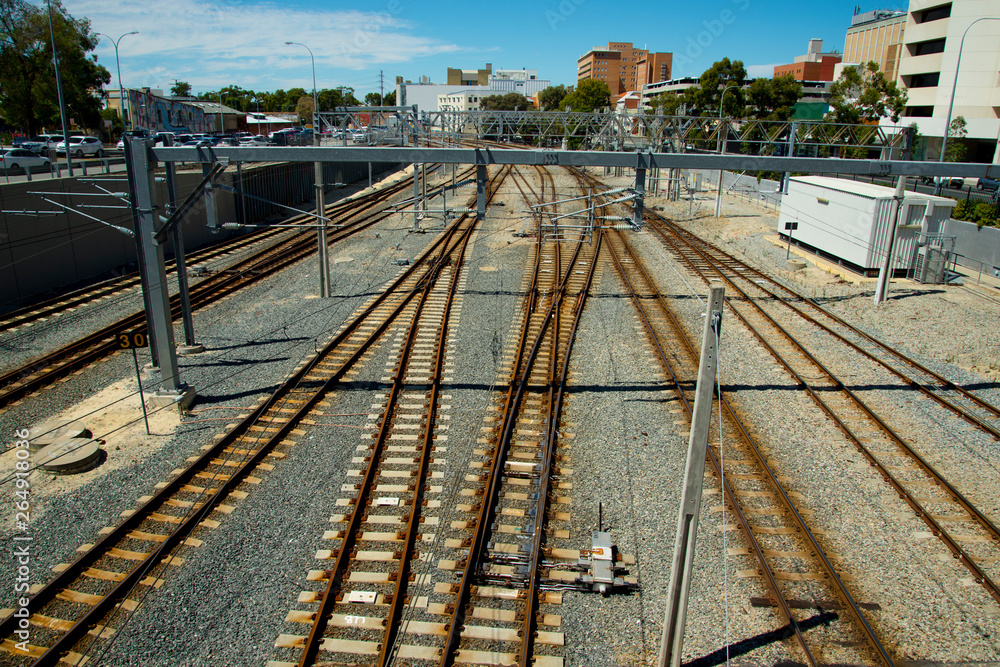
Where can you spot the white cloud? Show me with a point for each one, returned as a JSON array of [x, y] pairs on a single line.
[[757, 71], [217, 42]]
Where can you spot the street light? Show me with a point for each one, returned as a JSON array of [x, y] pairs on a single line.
[[315, 105], [324, 264], [954, 85], [121, 88], [722, 149], [222, 115]]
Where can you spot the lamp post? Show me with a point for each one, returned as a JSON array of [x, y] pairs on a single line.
[[222, 115], [722, 149], [324, 264], [118, 64], [954, 86], [59, 91]]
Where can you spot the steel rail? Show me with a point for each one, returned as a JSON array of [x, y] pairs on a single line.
[[367, 485], [62, 302], [520, 376], [558, 379], [102, 343], [183, 529], [937, 378], [350, 534], [398, 601], [950, 542]]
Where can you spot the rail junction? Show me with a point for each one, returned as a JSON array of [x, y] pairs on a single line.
[[459, 537]]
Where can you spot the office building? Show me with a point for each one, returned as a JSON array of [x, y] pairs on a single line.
[[623, 67], [876, 36], [933, 37]]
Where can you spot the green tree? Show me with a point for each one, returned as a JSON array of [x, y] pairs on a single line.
[[703, 99], [180, 89], [390, 99], [863, 94], [507, 102], [304, 109], [337, 97], [550, 98], [373, 100], [957, 148], [28, 97], [773, 99], [117, 126], [589, 95]]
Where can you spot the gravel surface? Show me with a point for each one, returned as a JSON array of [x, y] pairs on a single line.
[[227, 603]]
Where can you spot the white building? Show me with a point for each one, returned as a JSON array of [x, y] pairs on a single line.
[[426, 95], [933, 36], [463, 100]]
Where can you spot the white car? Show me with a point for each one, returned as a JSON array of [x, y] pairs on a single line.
[[80, 146], [259, 140], [18, 159], [42, 143]]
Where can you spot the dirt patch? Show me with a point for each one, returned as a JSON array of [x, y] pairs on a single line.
[[113, 415]]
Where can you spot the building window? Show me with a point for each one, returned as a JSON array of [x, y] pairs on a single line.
[[926, 48], [933, 14], [928, 80], [920, 112]]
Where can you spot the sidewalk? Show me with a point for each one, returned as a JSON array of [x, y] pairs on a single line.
[[86, 167]]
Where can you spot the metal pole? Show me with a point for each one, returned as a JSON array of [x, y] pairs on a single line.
[[324, 263], [722, 149], [480, 191], [158, 320], [694, 477], [640, 193], [190, 344], [885, 274], [791, 153], [59, 92], [118, 64], [416, 197], [138, 379]]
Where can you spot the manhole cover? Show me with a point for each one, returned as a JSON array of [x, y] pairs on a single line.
[[51, 430], [69, 456]]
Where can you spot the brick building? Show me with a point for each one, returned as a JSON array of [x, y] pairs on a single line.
[[623, 67], [813, 66]]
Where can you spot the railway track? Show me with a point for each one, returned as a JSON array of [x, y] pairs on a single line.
[[78, 610], [71, 301], [779, 546], [494, 609], [287, 249], [969, 534]]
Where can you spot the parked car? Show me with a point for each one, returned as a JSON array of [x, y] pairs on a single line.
[[181, 139], [200, 143], [990, 184], [21, 159], [42, 143], [80, 146], [259, 140]]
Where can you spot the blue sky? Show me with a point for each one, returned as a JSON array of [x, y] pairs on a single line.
[[211, 43]]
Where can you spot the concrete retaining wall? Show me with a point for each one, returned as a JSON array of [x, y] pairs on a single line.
[[45, 252], [976, 248]]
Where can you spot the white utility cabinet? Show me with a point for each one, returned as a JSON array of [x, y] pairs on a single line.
[[849, 220]]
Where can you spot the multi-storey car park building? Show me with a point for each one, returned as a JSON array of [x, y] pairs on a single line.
[[623, 67], [876, 36], [933, 37]]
